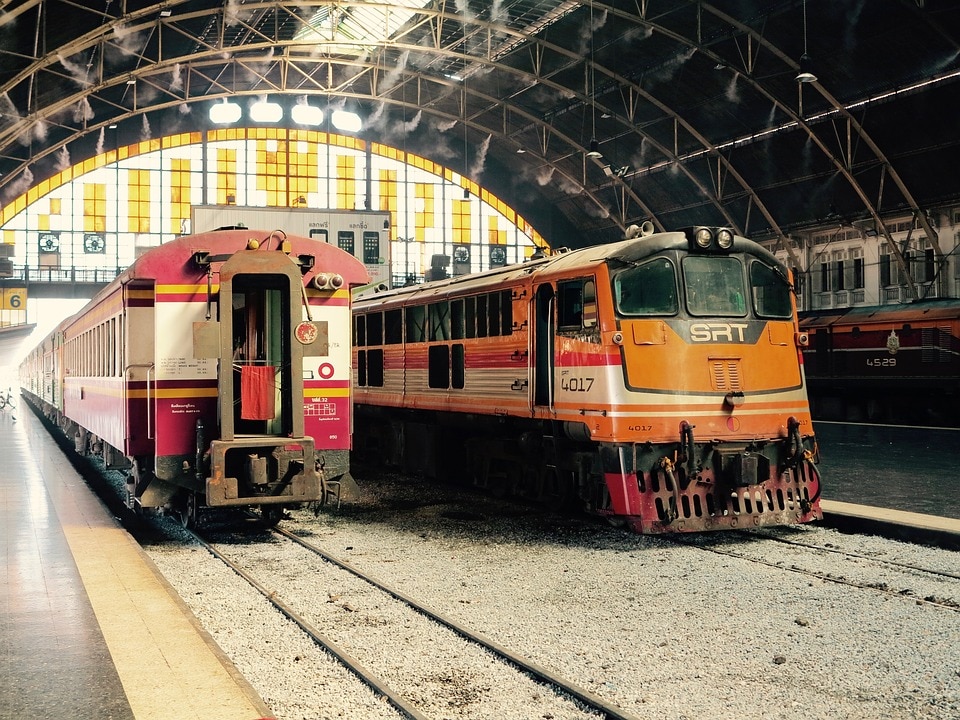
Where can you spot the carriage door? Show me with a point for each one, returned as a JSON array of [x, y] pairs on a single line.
[[543, 332], [260, 306]]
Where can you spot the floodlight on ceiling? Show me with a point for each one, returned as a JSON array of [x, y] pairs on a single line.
[[266, 112], [594, 151], [224, 113], [806, 74], [306, 115], [346, 121]]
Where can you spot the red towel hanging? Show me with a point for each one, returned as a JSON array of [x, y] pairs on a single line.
[[257, 392]]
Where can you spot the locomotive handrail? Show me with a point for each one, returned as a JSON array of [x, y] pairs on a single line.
[[149, 367]]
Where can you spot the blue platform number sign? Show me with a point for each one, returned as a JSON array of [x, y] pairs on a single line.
[[14, 298]]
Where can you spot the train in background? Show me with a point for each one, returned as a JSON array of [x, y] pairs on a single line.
[[655, 381], [214, 371], [894, 364]]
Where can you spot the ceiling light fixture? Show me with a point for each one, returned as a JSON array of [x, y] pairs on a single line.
[[346, 121], [594, 151], [266, 112], [303, 114], [806, 74], [224, 113]]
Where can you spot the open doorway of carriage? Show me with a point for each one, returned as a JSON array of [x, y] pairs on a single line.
[[260, 306], [543, 361]]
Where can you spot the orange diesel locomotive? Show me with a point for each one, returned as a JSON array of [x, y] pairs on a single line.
[[655, 381], [215, 370]]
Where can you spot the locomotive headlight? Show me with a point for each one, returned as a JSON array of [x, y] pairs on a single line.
[[725, 239], [703, 237], [803, 339]]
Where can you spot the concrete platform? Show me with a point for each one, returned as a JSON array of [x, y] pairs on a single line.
[[897, 524], [89, 629]]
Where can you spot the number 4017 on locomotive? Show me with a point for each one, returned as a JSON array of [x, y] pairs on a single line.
[[655, 381]]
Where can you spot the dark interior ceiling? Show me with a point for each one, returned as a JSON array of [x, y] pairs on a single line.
[[695, 105]]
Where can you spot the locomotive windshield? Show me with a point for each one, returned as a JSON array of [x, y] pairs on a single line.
[[647, 289], [713, 286], [771, 293]]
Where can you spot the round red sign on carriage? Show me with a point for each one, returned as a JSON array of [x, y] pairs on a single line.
[[306, 333]]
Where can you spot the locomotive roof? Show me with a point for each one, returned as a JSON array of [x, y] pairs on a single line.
[[938, 309], [563, 263]]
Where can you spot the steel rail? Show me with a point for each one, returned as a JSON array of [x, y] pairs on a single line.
[[588, 698]]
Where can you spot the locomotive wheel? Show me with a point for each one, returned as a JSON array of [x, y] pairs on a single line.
[[270, 515], [189, 512], [554, 491]]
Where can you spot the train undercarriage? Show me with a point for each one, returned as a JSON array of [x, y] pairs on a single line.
[[267, 475], [682, 486]]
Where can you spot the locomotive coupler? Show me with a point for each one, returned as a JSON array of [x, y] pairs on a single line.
[[687, 455], [667, 466], [796, 453]]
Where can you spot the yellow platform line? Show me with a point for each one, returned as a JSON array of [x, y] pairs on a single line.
[[169, 666]]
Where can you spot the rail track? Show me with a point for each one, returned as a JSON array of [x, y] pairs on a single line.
[[894, 581], [398, 699]]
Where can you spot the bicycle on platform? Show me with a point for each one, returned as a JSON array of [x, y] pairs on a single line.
[[6, 400]]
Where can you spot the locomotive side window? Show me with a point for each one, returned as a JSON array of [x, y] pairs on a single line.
[[393, 327], [647, 289], [771, 293], [506, 312], [714, 286], [493, 314], [576, 304]]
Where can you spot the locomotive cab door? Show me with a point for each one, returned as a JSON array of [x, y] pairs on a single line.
[[543, 353]]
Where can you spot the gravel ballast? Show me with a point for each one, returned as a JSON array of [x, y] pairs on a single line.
[[717, 626]]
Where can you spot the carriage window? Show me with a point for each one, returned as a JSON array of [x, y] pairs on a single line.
[[647, 289], [375, 329], [457, 328], [771, 293], [714, 286], [470, 316], [370, 368], [416, 324], [482, 316], [440, 321], [360, 330], [393, 327]]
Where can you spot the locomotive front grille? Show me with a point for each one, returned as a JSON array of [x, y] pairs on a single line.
[[726, 374]]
